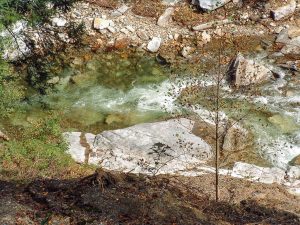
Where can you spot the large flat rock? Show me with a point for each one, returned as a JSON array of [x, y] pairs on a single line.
[[161, 147]]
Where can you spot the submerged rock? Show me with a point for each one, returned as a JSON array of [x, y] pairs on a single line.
[[243, 72]]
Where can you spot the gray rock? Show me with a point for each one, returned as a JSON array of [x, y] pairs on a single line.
[[211, 24], [166, 17], [291, 38], [293, 47], [289, 178], [243, 72], [284, 11], [154, 44], [210, 4], [163, 147]]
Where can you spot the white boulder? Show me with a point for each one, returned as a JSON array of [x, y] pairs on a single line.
[[154, 44], [101, 24], [59, 22], [259, 174], [120, 11], [210, 4]]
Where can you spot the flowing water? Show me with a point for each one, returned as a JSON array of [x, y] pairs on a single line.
[[112, 91]]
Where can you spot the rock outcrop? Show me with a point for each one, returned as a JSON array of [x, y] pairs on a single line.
[[162, 147], [167, 147]]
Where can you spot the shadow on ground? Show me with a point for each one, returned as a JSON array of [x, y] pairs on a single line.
[[112, 198]]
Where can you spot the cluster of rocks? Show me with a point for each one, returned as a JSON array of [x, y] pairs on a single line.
[[120, 27]]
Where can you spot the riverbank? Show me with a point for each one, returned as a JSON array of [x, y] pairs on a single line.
[[135, 66]]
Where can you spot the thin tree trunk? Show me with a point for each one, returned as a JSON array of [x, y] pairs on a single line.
[[217, 121]]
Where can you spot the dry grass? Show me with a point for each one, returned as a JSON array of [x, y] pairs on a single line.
[[105, 3], [148, 8]]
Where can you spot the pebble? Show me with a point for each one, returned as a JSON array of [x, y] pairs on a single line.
[[124, 31], [142, 35], [111, 29], [100, 24], [130, 28]]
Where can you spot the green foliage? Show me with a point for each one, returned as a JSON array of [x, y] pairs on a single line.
[[11, 92], [32, 11], [39, 152], [76, 31]]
